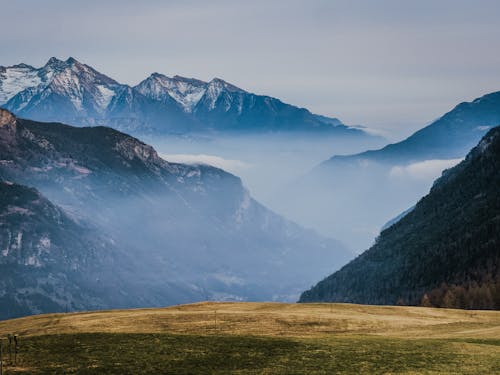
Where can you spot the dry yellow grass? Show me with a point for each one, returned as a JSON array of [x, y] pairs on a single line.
[[270, 319], [258, 338]]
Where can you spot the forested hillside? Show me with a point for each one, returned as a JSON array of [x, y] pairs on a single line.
[[446, 252]]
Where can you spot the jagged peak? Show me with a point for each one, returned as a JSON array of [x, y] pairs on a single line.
[[54, 60], [193, 81], [72, 60], [220, 83], [157, 75], [23, 66], [176, 79], [55, 64]]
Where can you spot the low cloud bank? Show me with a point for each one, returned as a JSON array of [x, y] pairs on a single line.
[[230, 165], [423, 170]]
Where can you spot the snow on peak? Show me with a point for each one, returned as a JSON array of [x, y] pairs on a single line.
[[68, 84], [220, 84], [185, 91], [214, 90], [15, 79], [105, 96], [76, 81], [69, 78]]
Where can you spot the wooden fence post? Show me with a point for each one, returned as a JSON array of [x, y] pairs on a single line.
[[9, 336], [16, 348], [1, 356]]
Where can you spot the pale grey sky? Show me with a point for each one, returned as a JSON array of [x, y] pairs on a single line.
[[388, 64]]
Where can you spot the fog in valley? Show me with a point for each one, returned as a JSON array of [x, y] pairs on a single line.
[[280, 171], [267, 163]]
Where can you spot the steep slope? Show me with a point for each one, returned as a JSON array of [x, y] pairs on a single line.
[[445, 252], [185, 91], [52, 262], [350, 197], [48, 262], [189, 232], [72, 92], [66, 89]]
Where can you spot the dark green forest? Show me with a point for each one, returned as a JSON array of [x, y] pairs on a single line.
[[444, 253]]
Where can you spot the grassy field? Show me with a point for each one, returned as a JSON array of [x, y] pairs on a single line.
[[260, 338]]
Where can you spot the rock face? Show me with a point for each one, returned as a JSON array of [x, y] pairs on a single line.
[[75, 93], [174, 233], [7, 118], [444, 252], [48, 262]]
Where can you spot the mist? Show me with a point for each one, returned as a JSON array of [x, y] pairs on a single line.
[[267, 163], [281, 171], [352, 203], [148, 232]]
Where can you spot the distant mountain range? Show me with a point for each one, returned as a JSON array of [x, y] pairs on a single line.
[[75, 93], [445, 252], [111, 224], [352, 196], [449, 137]]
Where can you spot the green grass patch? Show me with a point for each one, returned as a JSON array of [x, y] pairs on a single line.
[[106, 353]]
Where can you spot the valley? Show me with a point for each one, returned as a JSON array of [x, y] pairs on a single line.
[[249, 187]]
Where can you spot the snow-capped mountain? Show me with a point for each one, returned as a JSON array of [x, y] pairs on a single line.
[[60, 88], [187, 92], [72, 92], [219, 105]]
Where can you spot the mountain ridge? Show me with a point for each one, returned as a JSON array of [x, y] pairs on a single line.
[[71, 92], [430, 141]]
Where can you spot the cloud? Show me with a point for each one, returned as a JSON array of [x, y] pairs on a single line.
[[230, 165], [423, 170]]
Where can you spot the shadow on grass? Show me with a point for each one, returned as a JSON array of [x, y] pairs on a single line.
[[188, 354]]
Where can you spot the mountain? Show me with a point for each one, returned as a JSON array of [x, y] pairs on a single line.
[[72, 92], [445, 252], [219, 105], [60, 88], [350, 197], [48, 261], [449, 137], [182, 233]]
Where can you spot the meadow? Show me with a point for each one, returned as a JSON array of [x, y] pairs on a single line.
[[259, 338]]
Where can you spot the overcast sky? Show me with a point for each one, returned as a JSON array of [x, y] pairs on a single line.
[[388, 64]]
